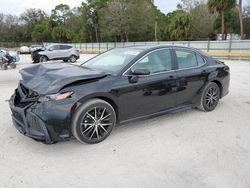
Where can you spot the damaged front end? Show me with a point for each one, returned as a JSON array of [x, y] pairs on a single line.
[[44, 121], [47, 95]]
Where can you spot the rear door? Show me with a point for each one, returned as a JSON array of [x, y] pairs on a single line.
[[65, 51], [191, 75]]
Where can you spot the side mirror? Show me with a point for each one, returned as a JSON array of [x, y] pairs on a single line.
[[138, 72], [50, 49]]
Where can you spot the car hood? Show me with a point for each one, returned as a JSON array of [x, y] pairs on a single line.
[[50, 78]]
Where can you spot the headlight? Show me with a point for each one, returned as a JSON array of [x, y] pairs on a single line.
[[55, 97]]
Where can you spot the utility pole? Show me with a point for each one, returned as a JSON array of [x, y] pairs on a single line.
[[156, 25], [156, 29]]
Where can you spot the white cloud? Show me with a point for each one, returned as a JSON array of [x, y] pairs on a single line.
[[18, 6]]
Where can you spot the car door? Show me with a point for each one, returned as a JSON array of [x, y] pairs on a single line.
[[191, 75], [147, 94], [53, 52]]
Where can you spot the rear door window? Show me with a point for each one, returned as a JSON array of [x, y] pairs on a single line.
[[186, 59], [65, 47]]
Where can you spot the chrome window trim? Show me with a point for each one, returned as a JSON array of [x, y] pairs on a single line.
[[124, 73]]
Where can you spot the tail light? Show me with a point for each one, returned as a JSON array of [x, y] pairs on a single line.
[[77, 50]]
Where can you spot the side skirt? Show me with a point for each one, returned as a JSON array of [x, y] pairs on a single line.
[[168, 111]]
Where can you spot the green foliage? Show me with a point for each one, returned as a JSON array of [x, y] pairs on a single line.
[[220, 5], [179, 25], [124, 20]]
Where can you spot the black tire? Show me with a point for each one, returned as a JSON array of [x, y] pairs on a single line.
[[5, 66], [72, 59], [93, 121], [210, 97], [65, 60], [43, 59], [13, 65]]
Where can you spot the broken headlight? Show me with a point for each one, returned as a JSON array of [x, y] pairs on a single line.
[[55, 97]]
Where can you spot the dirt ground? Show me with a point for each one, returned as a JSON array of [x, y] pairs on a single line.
[[186, 149]]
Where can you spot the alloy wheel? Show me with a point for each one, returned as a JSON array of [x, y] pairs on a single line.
[[212, 97], [96, 123]]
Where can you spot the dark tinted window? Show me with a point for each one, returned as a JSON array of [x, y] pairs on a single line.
[[65, 47], [186, 59], [200, 60], [155, 62], [55, 47]]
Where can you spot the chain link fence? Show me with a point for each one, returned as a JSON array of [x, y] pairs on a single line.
[[221, 49]]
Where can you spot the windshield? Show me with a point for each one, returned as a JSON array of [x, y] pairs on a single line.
[[112, 61]]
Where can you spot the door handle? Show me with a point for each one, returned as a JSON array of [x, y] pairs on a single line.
[[171, 77]]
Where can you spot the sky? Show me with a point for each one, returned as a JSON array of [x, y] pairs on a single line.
[[16, 7]]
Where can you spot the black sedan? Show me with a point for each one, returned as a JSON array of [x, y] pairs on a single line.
[[54, 102]]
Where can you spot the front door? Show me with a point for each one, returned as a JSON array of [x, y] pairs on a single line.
[[144, 95]]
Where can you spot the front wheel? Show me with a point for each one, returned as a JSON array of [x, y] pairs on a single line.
[[43, 59], [210, 97], [93, 121]]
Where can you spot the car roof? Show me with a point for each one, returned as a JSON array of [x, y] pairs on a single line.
[[155, 47]]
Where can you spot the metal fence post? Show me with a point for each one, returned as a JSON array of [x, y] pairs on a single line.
[[230, 45], [99, 47], [107, 45], [208, 45]]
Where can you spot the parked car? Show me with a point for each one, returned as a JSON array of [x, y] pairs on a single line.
[[56, 52], [55, 101], [24, 50]]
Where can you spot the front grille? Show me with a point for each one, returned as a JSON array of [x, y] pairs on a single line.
[[33, 122], [25, 96], [18, 117]]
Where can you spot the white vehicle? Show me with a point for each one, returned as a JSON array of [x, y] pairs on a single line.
[[24, 50], [63, 52]]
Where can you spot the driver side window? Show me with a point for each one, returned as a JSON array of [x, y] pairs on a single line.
[[156, 62]]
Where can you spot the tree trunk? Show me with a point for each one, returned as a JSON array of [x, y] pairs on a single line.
[[126, 35], [223, 25], [241, 20], [96, 33]]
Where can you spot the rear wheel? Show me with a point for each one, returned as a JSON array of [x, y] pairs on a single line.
[[210, 97], [43, 59], [72, 59], [93, 121]]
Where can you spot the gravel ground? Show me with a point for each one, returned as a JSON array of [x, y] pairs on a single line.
[[186, 149]]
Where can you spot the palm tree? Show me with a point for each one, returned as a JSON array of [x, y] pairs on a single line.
[[241, 20], [221, 6]]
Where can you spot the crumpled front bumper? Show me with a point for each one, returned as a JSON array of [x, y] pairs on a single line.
[[47, 122], [29, 123]]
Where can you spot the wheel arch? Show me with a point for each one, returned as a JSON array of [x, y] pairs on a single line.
[[106, 99], [219, 85], [43, 56]]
